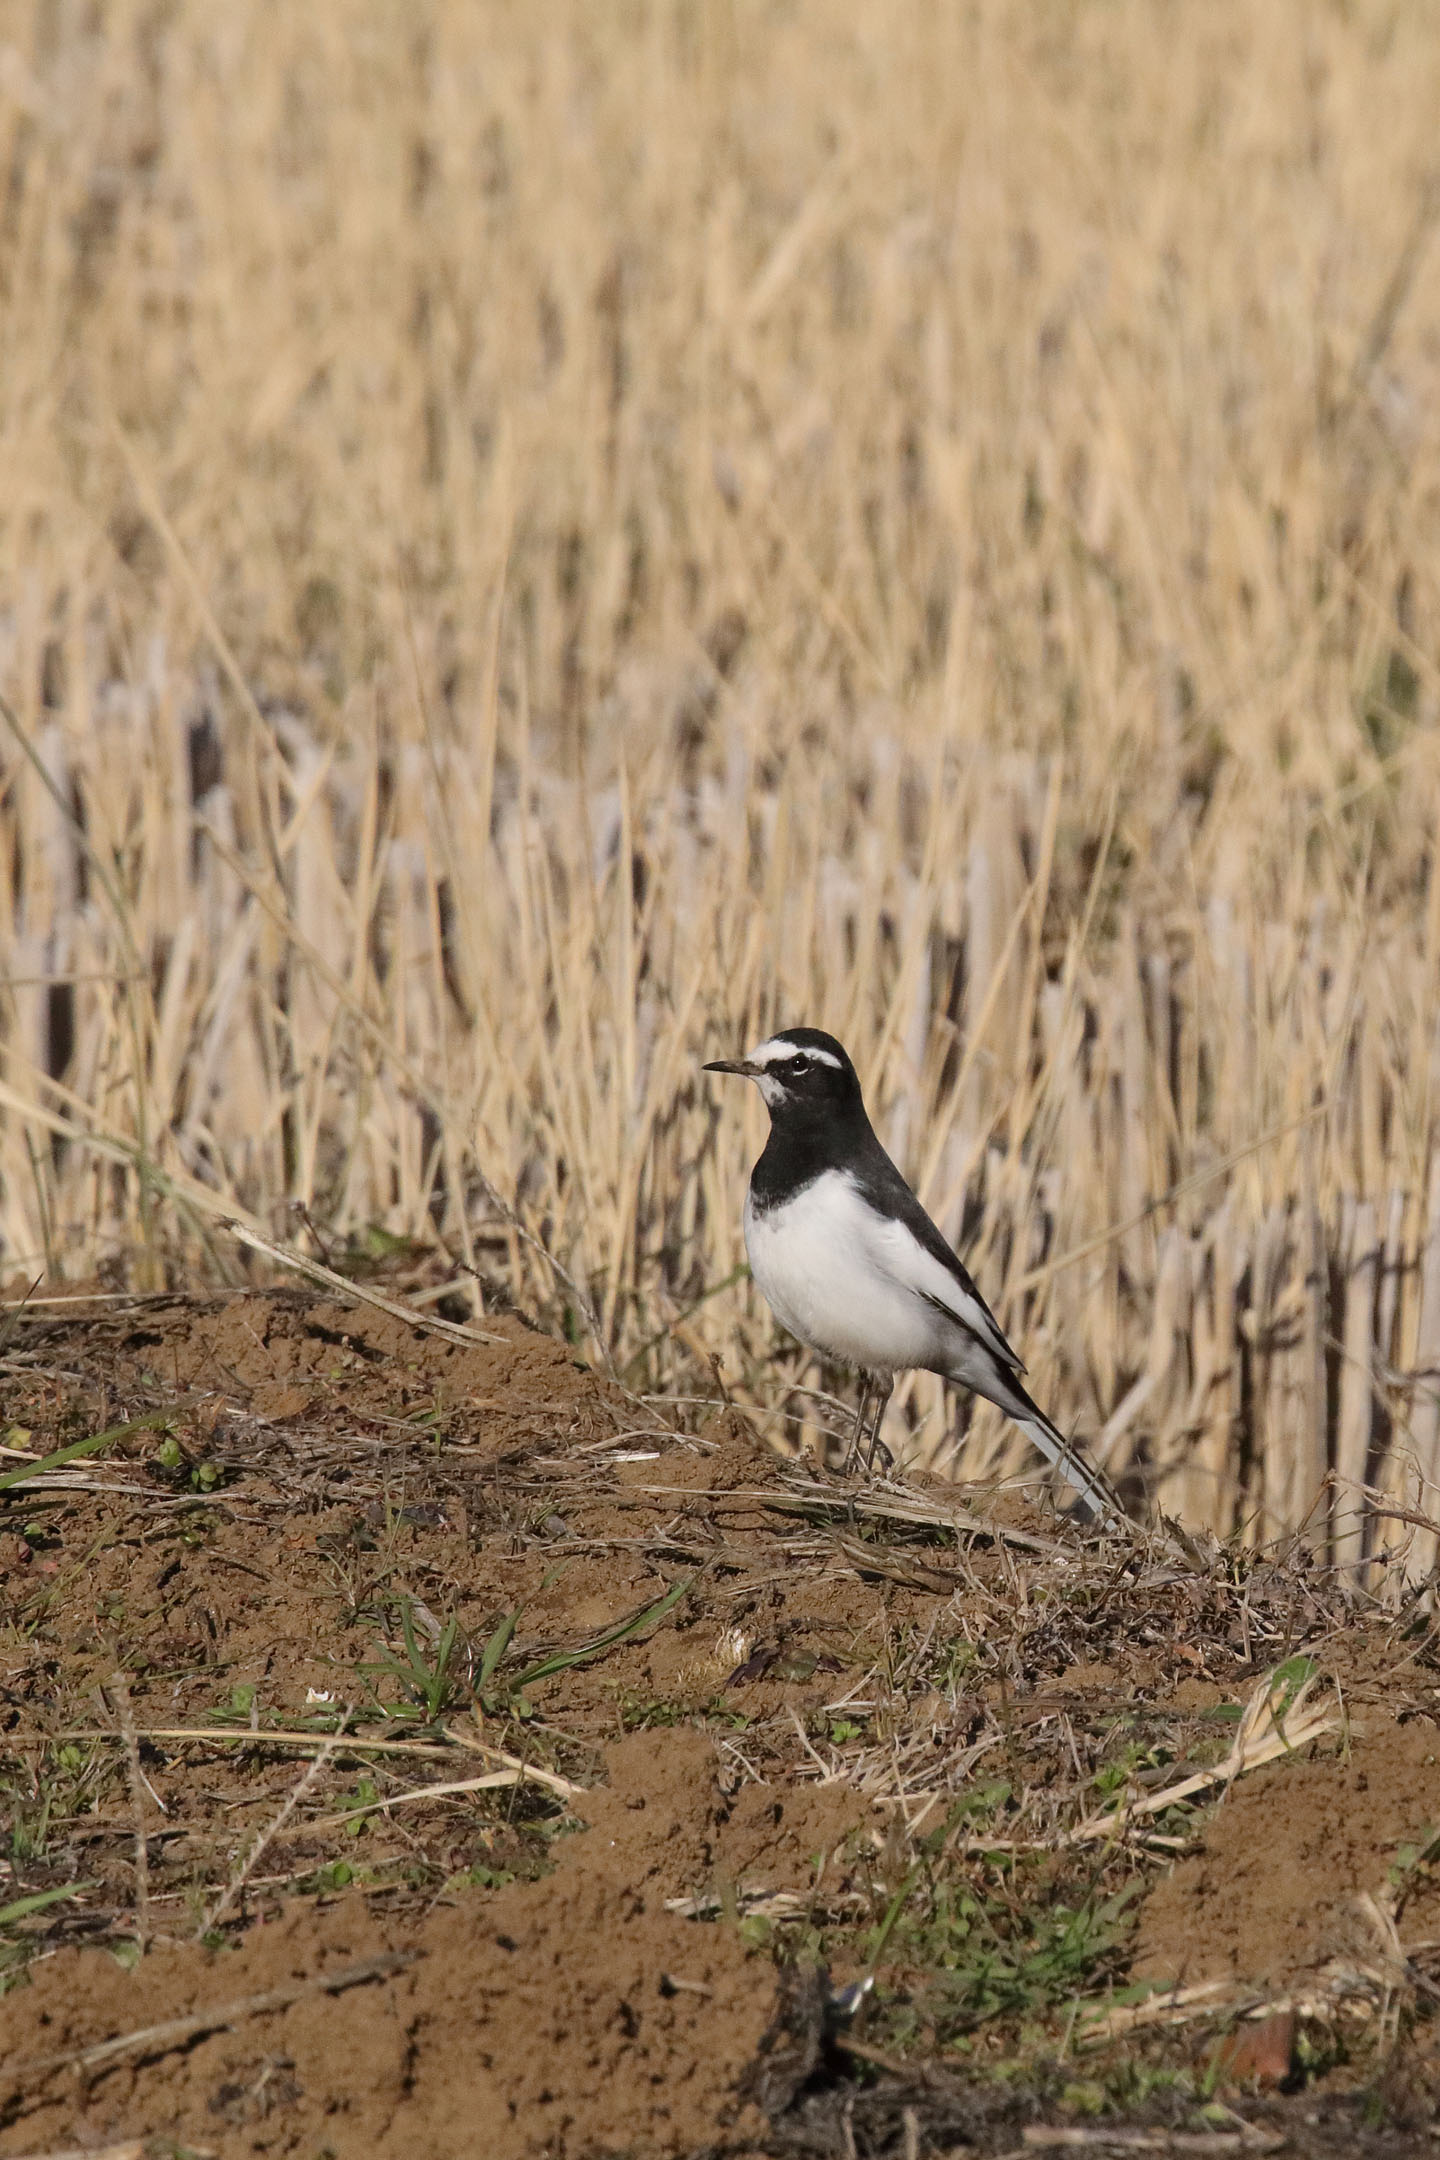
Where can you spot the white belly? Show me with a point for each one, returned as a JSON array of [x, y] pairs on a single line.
[[821, 1267]]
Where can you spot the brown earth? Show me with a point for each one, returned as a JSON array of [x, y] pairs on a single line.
[[764, 1696], [1274, 1895]]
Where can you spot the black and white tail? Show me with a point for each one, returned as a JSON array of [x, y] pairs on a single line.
[[1090, 1485]]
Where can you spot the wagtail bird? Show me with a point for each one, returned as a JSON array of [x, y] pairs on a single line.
[[849, 1261]]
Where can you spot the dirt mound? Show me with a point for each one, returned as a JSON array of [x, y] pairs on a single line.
[[1277, 1890], [281, 1356], [562, 2017], [479, 1748]]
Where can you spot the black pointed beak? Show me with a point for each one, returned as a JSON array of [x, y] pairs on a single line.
[[742, 1066]]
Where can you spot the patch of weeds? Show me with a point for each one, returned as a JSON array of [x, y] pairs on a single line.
[[998, 1941], [1318, 2050], [955, 1666], [997, 1952], [1131, 2083], [69, 1784], [433, 1679], [720, 1712], [481, 1877], [1128, 1766], [649, 1713], [1082, 2096]]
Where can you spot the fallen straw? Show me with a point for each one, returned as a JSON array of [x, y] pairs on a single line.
[[1277, 1720]]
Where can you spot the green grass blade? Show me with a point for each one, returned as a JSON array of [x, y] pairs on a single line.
[[896, 1906], [38, 1900], [495, 1649], [154, 1422], [623, 1630]]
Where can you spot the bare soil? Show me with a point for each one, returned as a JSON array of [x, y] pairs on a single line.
[[732, 1734]]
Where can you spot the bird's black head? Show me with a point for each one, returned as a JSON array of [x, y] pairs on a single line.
[[802, 1074]]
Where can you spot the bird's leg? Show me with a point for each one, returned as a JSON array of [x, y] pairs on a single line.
[[852, 1453], [882, 1390]]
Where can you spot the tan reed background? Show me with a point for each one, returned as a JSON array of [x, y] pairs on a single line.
[[536, 542]]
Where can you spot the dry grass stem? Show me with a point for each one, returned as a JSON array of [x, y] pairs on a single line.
[[136, 1784], [491, 1781], [1279, 1719], [352, 1292], [246, 1862]]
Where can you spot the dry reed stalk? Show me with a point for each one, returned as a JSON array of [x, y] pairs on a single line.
[[910, 607], [1425, 1413], [1357, 1386]]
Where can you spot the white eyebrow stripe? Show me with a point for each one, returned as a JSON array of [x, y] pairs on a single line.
[[780, 1046]]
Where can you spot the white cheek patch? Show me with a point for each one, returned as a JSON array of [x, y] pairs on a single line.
[[770, 1088]]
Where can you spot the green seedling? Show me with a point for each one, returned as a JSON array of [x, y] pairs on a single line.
[[432, 1680], [365, 1796], [648, 1713], [202, 1476], [337, 1876], [240, 1708]]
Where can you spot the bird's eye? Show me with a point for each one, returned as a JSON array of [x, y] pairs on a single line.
[[799, 1066]]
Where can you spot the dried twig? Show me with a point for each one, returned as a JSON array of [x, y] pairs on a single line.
[[246, 1736], [1116, 2137], [918, 1509], [131, 2149], [245, 1865], [343, 1286], [491, 1781], [1176, 2006], [344, 1743], [531, 1772]]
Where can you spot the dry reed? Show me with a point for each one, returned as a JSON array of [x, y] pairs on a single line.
[[536, 543]]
